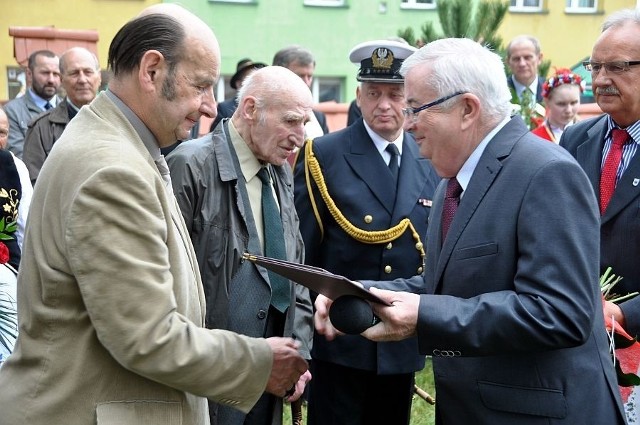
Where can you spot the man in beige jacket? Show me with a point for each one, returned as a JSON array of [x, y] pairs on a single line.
[[111, 306]]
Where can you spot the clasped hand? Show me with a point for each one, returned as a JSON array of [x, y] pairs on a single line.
[[289, 369]]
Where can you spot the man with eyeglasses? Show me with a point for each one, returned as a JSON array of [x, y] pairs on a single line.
[[613, 138], [512, 312], [369, 174]]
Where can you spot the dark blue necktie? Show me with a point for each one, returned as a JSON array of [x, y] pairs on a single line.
[[48, 106], [393, 163], [274, 246]]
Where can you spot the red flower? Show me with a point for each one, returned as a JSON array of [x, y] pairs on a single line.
[[4, 253]]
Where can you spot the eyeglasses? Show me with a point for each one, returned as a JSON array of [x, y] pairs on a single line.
[[617, 67], [412, 113]]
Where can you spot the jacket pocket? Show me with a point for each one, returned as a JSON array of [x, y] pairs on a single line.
[[139, 412], [476, 251], [527, 401]]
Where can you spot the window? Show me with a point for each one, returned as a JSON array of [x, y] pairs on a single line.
[[325, 3], [326, 89], [235, 1], [581, 6], [525, 5], [418, 4], [17, 81]]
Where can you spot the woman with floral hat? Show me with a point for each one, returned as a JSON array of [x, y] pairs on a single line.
[[561, 93]]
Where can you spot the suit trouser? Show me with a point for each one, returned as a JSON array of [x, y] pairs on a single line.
[[340, 395]]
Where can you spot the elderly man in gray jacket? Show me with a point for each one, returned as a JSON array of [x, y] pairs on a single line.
[[218, 181]]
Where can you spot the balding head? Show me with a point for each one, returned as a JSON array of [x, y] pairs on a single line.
[[80, 74], [273, 84], [193, 25], [165, 63], [273, 106], [167, 28]]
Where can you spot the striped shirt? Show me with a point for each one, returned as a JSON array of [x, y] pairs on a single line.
[[628, 150]]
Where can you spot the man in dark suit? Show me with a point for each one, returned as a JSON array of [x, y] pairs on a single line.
[[523, 59], [616, 91], [354, 377], [512, 313]]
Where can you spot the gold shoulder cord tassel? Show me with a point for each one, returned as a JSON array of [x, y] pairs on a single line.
[[369, 237]]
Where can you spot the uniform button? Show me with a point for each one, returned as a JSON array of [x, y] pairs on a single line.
[[389, 245], [419, 270], [368, 219], [419, 246], [262, 314], [387, 269]]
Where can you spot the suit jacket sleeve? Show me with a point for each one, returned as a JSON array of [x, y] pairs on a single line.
[[126, 281]]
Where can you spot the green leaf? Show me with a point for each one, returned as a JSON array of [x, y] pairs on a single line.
[[626, 379]]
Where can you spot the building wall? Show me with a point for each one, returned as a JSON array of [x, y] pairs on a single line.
[[566, 39], [258, 30], [105, 16]]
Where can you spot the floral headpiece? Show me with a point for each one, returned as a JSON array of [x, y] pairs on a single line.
[[561, 76]]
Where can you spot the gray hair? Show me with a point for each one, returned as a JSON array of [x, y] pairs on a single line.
[[461, 64], [288, 55], [519, 39], [621, 17]]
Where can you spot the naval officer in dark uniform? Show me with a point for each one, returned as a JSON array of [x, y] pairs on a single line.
[[363, 195]]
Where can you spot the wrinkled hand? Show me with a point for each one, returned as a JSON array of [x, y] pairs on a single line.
[[398, 321], [613, 309], [299, 388], [288, 366], [321, 319]]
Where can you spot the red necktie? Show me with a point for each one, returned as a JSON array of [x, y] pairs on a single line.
[[610, 168], [451, 201]]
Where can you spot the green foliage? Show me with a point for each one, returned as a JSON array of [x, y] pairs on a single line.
[[7, 229], [479, 21], [408, 35]]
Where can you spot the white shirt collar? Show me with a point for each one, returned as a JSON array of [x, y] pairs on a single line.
[[381, 143], [520, 87], [466, 172]]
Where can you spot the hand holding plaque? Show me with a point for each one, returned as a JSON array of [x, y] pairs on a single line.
[[350, 312]]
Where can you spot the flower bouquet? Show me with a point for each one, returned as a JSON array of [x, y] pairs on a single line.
[[8, 313], [625, 350]]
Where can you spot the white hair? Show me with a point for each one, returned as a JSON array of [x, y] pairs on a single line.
[[621, 17], [461, 64]]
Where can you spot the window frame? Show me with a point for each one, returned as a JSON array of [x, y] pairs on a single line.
[[574, 7], [519, 7], [413, 4], [325, 3], [235, 1]]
